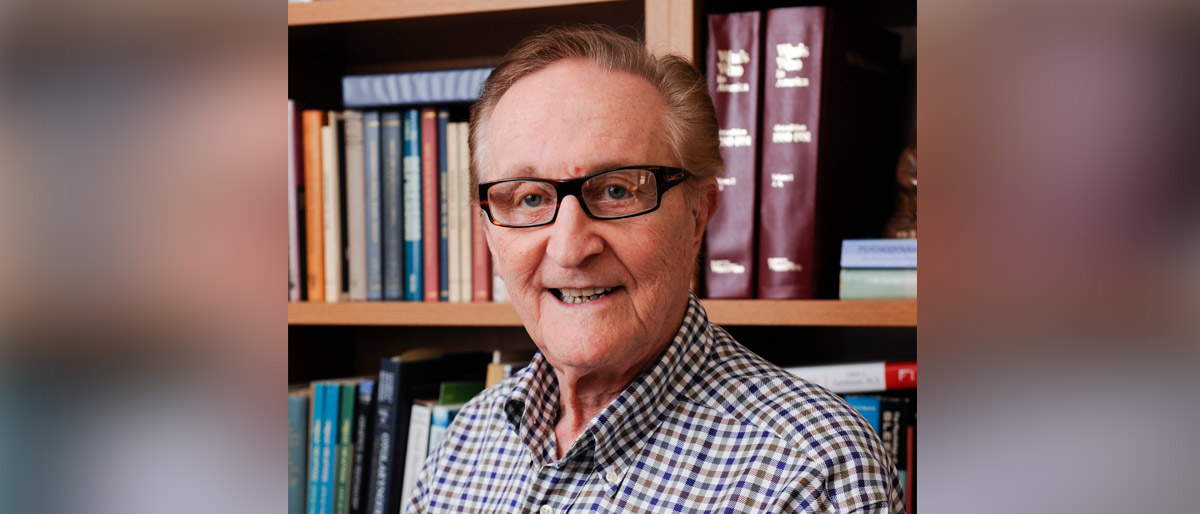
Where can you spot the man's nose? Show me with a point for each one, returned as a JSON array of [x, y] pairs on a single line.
[[572, 237]]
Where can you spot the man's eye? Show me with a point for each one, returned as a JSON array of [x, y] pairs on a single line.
[[532, 200], [616, 192]]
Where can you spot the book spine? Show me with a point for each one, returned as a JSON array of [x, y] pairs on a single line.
[[481, 263], [418, 446], [414, 287], [456, 191], [393, 209], [317, 413], [384, 450], [734, 78], [894, 420], [424, 87], [879, 253], [364, 431], [467, 213], [790, 128], [430, 200], [328, 447], [860, 377], [860, 284], [443, 122], [867, 407], [443, 415], [297, 439], [311, 123], [293, 182], [331, 215], [356, 256], [373, 203], [345, 448]]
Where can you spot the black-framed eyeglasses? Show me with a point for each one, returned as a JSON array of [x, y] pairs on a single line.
[[606, 195]]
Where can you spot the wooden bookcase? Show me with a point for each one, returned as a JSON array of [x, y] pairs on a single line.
[[333, 38]]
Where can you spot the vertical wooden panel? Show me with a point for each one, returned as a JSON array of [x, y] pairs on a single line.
[[670, 27]]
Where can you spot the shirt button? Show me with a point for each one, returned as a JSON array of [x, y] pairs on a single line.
[[546, 509], [611, 476]]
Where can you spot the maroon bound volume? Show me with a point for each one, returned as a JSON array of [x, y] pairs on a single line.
[[826, 156], [734, 77], [430, 202]]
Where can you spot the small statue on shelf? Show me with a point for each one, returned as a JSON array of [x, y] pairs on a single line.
[[903, 224]]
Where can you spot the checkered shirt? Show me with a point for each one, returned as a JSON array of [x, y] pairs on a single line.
[[711, 427]]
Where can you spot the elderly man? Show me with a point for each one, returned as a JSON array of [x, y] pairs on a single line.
[[594, 163]]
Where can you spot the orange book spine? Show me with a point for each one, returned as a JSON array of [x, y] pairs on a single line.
[[430, 203], [311, 122], [481, 261]]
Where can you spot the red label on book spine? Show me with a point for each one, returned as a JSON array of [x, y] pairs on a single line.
[[900, 375]]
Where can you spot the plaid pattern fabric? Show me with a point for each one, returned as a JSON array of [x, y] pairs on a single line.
[[711, 427]]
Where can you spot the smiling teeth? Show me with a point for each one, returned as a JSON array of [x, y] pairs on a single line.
[[568, 295]]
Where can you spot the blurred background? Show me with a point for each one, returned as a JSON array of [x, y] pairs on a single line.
[[142, 336]]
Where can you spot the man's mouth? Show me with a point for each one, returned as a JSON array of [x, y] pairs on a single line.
[[571, 295]]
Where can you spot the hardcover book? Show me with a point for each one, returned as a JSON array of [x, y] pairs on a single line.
[[430, 201], [393, 209], [467, 216], [364, 434], [734, 77], [345, 447], [455, 198], [317, 413], [422, 87], [294, 180], [860, 377], [356, 230], [875, 284], [373, 203], [879, 253], [826, 159], [314, 244], [331, 216], [443, 123], [297, 442], [414, 286], [418, 446]]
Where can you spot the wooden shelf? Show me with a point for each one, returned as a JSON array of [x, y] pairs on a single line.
[[346, 11], [862, 313]]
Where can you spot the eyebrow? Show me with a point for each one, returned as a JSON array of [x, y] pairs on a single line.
[[529, 171]]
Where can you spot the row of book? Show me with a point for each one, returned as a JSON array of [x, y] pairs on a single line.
[[356, 445], [379, 209], [878, 269], [807, 119]]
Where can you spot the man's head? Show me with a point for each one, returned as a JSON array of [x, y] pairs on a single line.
[[569, 103]]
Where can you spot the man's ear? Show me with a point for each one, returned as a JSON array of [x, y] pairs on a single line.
[[703, 207]]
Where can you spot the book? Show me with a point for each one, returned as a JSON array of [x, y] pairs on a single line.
[[331, 201], [373, 203], [481, 262], [430, 201], [329, 420], [443, 123], [344, 447], [317, 414], [413, 374], [879, 253], [294, 180], [297, 442], [442, 416], [826, 161], [895, 416], [455, 192], [311, 122], [734, 80], [414, 287], [860, 284], [867, 407], [418, 446], [356, 230], [412, 88], [393, 209], [860, 377], [467, 215], [460, 391], [505, 363], [364, 432]]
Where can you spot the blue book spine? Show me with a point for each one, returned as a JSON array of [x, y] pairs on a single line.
[[393, 210], [443, 210], [414, 290], [373, 202], [328, 444], [868, 407], [314, 438], [297, 449], [424, 87], [879, 253], [442, 416]]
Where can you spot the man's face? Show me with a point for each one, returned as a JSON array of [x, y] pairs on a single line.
[[565, 121]]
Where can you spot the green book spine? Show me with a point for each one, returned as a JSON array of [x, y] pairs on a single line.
[[459, 392], [345, 447], [862, 284]]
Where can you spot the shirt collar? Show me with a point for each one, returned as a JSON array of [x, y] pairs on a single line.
[[620, 430]]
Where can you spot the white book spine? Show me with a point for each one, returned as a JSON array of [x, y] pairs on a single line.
[[355, 209], [418, 445], [331, 215], [454, 198], [464, 242], [845, 378]]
